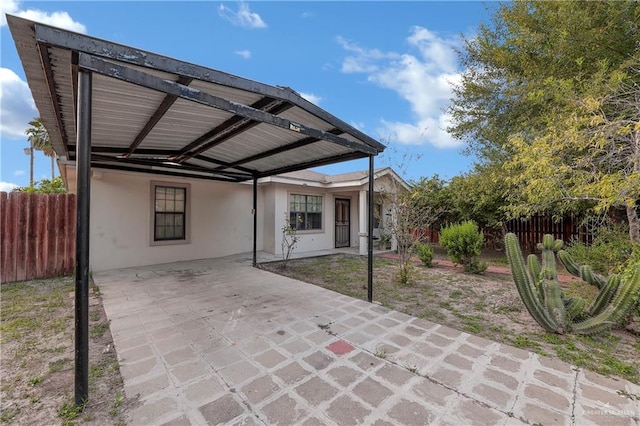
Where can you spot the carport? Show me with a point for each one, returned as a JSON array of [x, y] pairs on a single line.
[[110, 106]]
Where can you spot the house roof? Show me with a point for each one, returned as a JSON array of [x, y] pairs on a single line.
[[358, 178], [155, 114]]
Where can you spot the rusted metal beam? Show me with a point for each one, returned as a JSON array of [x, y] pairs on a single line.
[[147, 169], [48, 71], [230, 128], [284, 148], [313, 163], [156, 116], [105, 49], [149, 81], [168, 165]]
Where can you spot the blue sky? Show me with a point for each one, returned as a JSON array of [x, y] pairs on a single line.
[[384, 67]]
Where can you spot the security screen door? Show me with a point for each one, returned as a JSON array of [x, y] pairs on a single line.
[[343, 207]]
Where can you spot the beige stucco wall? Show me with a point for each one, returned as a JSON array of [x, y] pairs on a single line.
[[268, 214], [277, 195], [220, 217], [221, 221]]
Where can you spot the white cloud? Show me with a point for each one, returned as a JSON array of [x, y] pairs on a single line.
[[362, 60], [314, 99], [16, 104], [57, 19], [7, 6], [423, 77], [19, 173], [7, 186], [244, 53], [358, 125], [243, 17]]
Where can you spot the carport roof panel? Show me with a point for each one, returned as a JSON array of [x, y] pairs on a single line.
[[152, 112]]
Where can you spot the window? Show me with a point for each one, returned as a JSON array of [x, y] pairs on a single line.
[[305, 211], [169, 213]]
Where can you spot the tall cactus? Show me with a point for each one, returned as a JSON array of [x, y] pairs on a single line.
[[543, 297]]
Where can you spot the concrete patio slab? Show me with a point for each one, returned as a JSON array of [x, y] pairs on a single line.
[[220, 342]]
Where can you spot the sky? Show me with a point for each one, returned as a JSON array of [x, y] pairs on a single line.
[[387, 68]]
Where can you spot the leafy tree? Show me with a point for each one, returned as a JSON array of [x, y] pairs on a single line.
[[590, 157], [45, 186], [514, 65], [479, 196], [550, 89], [434, 193], [39, 140]]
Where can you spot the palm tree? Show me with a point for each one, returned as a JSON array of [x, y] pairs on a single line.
[[39, 140]]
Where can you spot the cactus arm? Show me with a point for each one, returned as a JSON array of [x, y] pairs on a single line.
[[534, 267], [525, 287], [594, 325], [626, 297], [575, 307], [554, 303], [569, 264], [535, 273], [605, 295], [624, 300], [591, 277], [583, 272]]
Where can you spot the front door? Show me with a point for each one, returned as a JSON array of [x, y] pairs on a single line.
[[343, 228]]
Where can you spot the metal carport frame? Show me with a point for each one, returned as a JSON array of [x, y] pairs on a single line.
[[107, 105]]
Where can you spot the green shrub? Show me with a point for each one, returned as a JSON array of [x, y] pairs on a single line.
[[463, 242], [609, 253], [425, 253]]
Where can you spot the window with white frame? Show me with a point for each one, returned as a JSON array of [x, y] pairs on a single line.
[[169, 213], [305, 212]]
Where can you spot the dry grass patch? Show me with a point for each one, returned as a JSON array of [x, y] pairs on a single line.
[[37, 365], [484, 305]]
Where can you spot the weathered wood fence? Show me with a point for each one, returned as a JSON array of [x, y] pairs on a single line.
[[37, 235], [530, 231]]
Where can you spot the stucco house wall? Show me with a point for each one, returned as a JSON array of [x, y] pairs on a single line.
[[219, 216], [269, 214], [220, 220]]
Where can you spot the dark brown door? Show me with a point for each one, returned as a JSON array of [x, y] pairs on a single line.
[[343, 227]]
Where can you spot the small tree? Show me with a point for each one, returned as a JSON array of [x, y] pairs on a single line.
[[290, 240], [45, 186], [412, 210], [39, 140], [409, 223]]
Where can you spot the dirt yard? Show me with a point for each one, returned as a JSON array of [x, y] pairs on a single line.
[[37, 363], [485, 305]]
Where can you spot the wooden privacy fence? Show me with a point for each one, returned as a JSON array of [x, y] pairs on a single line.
[[530, 232], [37, 235]]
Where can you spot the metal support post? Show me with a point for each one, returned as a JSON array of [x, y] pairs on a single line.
[[255, 221], [370, 234], [83, 165]]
